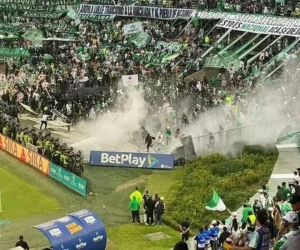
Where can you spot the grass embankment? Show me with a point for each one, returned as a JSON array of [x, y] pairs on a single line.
[[236, 180]]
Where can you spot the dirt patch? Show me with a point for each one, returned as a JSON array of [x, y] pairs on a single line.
[[157, 236], [132, 183]]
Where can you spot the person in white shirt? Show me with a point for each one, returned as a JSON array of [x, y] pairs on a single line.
[[44, 121]]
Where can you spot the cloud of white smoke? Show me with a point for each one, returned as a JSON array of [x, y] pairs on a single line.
[[257, 119], [113, 130]]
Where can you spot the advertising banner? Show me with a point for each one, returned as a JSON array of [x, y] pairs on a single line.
[[137, 11], [80, 230], [68, 179], [24, 154], [259, 28], [132, 28], [130, 159]]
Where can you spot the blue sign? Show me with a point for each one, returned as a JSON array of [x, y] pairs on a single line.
[[130, 159], [82, 230]]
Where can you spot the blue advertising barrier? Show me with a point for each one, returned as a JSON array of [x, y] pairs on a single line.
[[80, 230], [130, 159]]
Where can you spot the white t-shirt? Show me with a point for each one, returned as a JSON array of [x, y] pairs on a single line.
[[44, 118]]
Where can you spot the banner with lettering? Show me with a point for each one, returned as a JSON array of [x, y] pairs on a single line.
[[259, 28], [16, 52], [137, 11], [24, 154], [132, 159], [41, 14], [42, 5], [97, 18], [251, 18]]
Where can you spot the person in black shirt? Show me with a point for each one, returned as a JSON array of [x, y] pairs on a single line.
[[223, 236], [185, 230], [22, 243]]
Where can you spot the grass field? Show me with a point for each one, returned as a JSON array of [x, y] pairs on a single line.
[[29, 198]]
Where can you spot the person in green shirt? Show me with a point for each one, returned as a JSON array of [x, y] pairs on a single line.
[[286, 191], [247, 211], [134, 207]]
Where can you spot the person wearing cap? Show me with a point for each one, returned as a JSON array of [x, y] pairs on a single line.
[[291, 239]]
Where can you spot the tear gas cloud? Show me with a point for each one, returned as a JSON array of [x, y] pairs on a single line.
[[113, 130], [258, 118]]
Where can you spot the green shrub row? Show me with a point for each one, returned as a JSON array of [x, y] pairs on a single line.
[[235, 179]]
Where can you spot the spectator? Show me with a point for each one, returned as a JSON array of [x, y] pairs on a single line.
[[289, 234], [160, 210], [223, 236], [200, 240], [185, 230], [181, 245], [286, 192], [261, 238]]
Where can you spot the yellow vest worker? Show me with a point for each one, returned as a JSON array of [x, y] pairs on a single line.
[[137, 195], [206, 40]]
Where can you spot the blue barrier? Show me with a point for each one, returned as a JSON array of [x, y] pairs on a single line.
[[130, 159]]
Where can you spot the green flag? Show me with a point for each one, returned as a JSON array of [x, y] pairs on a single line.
[[216, 203], [140, 39], [34, 35]]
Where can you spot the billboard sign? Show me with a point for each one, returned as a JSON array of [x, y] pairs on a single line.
[[68, 179], [130, 159]]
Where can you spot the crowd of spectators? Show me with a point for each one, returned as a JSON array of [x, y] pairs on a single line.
[[265, 224]]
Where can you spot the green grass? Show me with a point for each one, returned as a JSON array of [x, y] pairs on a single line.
[[16, 202]]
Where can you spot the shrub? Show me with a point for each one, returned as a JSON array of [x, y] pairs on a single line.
[[236, 180]]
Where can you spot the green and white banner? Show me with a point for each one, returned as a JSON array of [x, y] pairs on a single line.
[[97, 18], [259, 28], [68, 179], [41, 14], [41, 2], [172, 47], [132, 28], [42, 5], [16, 52], [251, 18]]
